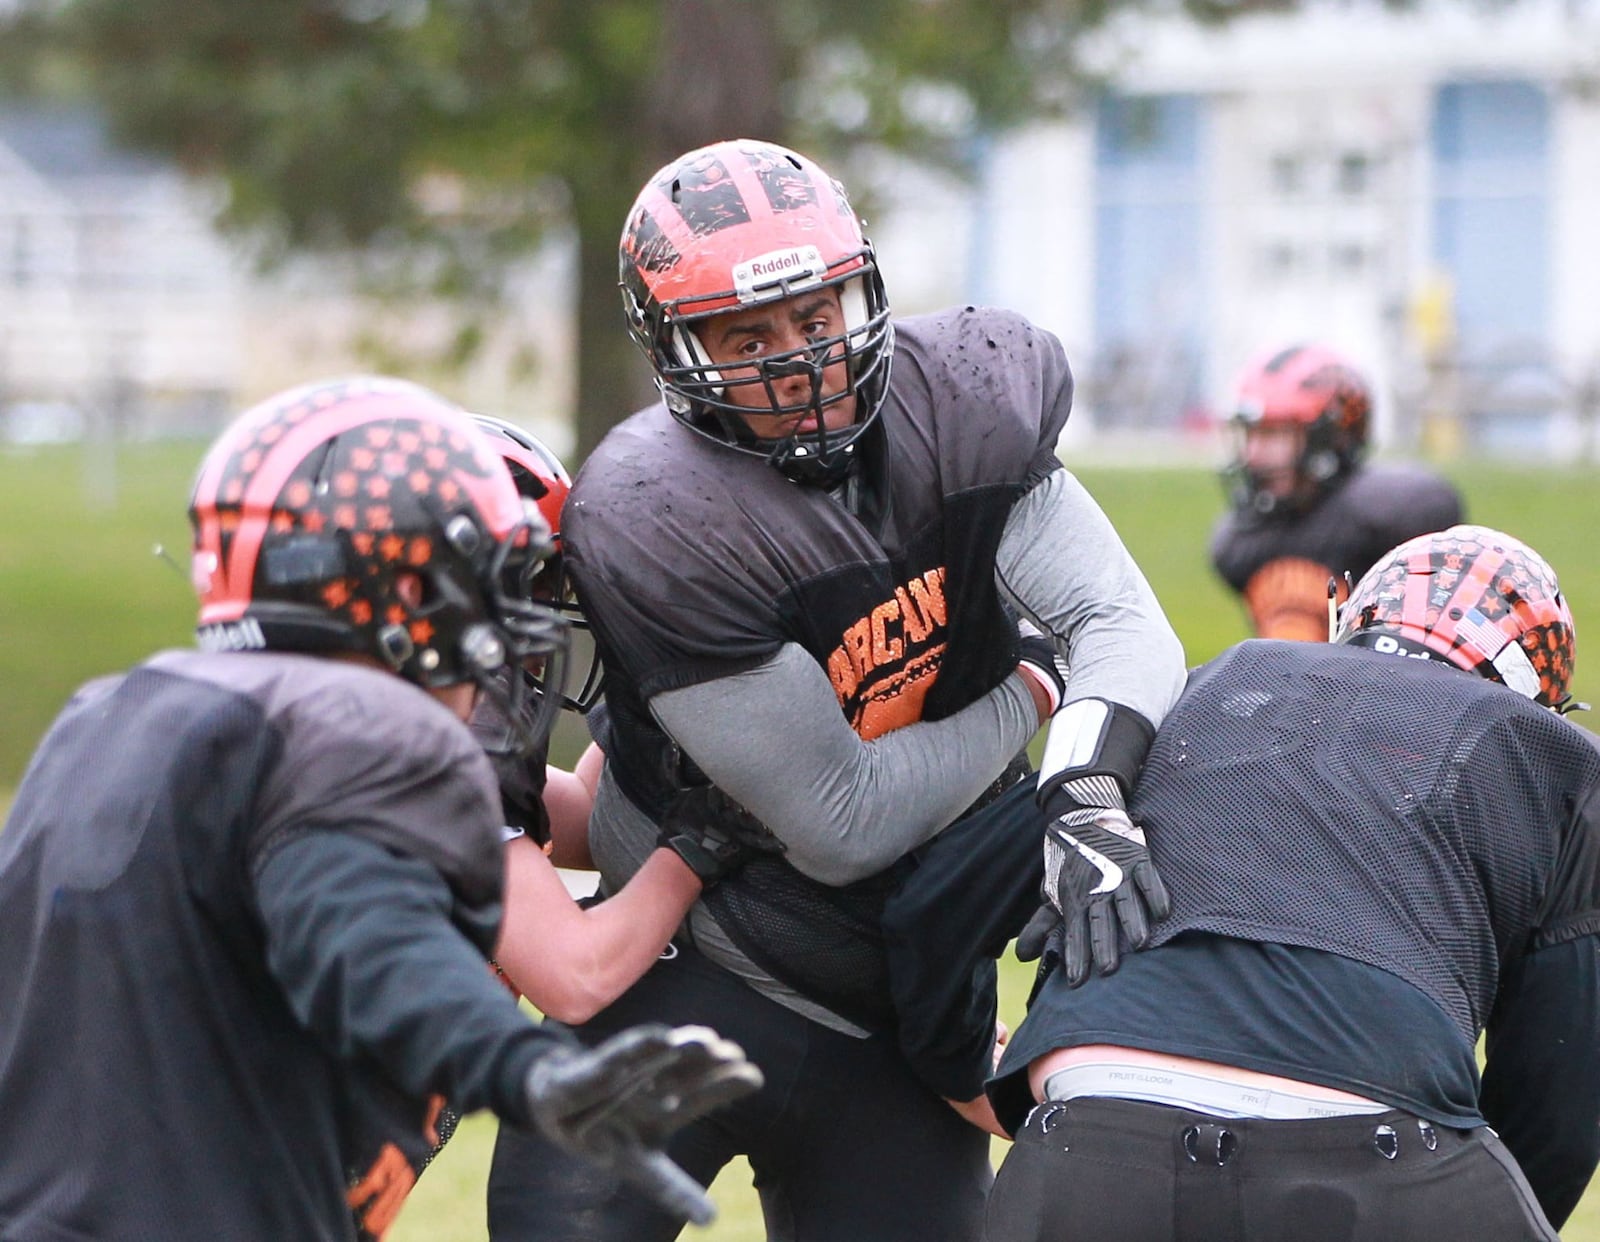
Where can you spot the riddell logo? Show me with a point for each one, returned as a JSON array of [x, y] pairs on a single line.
[[795, 268], [774, 267], [242, 635]]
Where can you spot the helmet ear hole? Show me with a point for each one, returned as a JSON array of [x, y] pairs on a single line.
[[410, 590]]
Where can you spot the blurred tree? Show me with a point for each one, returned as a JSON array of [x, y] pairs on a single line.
[[438, 140]]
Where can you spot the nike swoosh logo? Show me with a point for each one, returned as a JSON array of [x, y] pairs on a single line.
[[1110, 873]]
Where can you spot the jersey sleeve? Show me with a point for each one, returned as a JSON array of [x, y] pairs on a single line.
[[1002, 386], [1541, 1078], [1392, 503], [380, 759], [1541, 1082], [360, 939], [1572, 900]]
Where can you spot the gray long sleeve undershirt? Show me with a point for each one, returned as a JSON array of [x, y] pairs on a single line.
[[773, 737], [1093, 597], [775, 740]]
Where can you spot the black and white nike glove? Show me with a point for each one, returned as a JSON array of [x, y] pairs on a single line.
[[618, 1103], [1099, 878]]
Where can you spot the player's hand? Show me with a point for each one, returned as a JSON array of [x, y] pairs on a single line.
[[1100, 879], [980, 1112], [713, 834], [617, 1104]]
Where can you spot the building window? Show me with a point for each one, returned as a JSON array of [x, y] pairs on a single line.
[[1288, 175], [1348, 258], [1353, 174]]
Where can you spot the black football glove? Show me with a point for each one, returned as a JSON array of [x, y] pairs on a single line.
[[1099, 878], [713, 833], [617, 1104]]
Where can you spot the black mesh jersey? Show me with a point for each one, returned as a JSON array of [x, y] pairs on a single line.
[[1422, 820], [694, 563], [1366, 514], [153, 1081], [1360, 850]]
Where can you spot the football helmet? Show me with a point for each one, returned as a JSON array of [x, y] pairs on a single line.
[[369, 515], [740, 224], [542, 479], [1314, 389], [1472, 597]]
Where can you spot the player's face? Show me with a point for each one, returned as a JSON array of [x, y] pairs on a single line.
[[1272, 452], [740, 340]]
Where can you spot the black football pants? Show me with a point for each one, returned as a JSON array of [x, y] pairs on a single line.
[[845, 1144], [1123, 1171]]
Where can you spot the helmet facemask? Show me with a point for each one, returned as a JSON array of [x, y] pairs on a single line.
[[544, 484], [1310, 388], [703, 395], [747, 224]]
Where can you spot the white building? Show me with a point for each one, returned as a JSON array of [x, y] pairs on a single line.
[[1419, 189], [118, 303], [124, 310]]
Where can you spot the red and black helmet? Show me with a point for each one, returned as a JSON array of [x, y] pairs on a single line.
[[369, 515], [542, 479], [1318, 390], [1472, 597], [537, 472], [739, 224]]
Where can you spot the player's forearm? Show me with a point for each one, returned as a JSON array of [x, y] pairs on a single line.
[[572, 962], [360, 941], [775, 741]]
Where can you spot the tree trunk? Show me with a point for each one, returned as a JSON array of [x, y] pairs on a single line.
[[717, 76]]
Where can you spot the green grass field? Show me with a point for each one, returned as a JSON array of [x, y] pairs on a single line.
[[82, 593]]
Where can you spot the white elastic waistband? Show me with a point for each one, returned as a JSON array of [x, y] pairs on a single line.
[[1198, 1092]]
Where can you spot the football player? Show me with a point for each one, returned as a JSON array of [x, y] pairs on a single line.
[[1377, 851], [247, 891], [1304, 507], [805, 569], [570, 962]]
